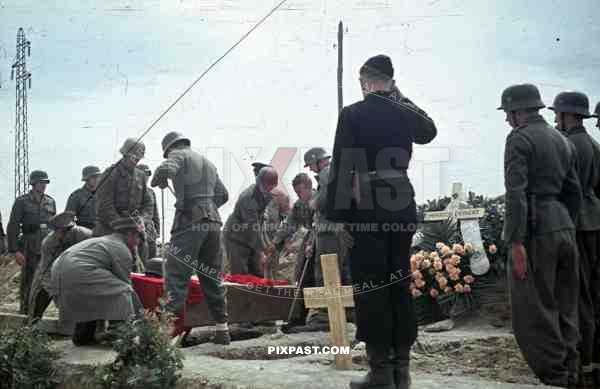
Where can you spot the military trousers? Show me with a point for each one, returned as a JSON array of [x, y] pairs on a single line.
[[380, 265], [544, 307], [588, 243], [196, 248], [27, 273], [242, 258]]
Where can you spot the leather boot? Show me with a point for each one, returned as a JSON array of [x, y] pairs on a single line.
[[380, 375], [400, 362]]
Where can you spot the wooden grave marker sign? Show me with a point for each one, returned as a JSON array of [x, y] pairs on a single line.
[[335, 298]]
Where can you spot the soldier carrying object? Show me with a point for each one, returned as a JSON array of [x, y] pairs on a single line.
[[123, 191], [543, 197], [82, 202], [29, 216], [570, 109], [64, 235], [245, 226], [196, 231]]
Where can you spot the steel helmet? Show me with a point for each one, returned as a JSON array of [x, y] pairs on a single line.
[[521, 97], [597, 110], [89, 171], [314, 155], [38, 176], [133, 146], [170, 139], [572, 102]]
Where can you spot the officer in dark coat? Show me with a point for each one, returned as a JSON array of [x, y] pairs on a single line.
[[368, 186], [82, 202], [570, 109], [543, 197], [30, 215]]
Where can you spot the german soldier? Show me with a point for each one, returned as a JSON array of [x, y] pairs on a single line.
[[543, 197], [369, 185], [82, 202], [153, 229], [196, 231], [64, 235], [244, 230], [570, 109], [30, 215], [122, 191]]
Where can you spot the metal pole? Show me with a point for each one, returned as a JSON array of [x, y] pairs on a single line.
[[162, 235], [340, 65]]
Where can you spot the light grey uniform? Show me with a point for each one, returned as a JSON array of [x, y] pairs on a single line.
[[195, 244], [90, 281]]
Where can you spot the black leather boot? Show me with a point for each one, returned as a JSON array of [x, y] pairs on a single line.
[[400, 362], [380, 375]]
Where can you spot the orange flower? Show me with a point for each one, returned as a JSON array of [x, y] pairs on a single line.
[[445, 250], [492, 249], [419, 283], [467, 289], [437, 265], [458, 249], [468, 248], [417, 275], [411, 286], [469, 279], [434, 255], [416, 293], [455, 260], [459, 288], [443, 282], [447, 289], [426, 264], [434, 293], [450, 268], [439, 245], [454, 276]]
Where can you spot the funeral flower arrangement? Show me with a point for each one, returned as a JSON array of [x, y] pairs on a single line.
[[442, 272]]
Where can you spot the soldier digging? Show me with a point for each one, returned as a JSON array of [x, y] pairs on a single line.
[[570, 109], [82, 202], [543, 197], [245, 226], [122, 191], [369, 184], [155, 228], [30, 215], [196, 231]]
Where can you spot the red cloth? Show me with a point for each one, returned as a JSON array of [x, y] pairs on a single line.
[[150, 289]]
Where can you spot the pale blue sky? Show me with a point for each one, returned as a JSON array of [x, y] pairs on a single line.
[[103, 71]]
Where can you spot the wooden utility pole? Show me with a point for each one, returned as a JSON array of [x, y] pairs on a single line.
[[340, 65]]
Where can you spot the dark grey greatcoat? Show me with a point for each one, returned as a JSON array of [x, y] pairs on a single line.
[[543, 197], [374, 140]]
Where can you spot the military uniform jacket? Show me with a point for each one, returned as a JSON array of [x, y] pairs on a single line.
[[588, 169], [122, 192], [52, 247], [375, 135], [198, 188], [82, 202], [301, 216], [540, 176], [31, 218], [245, 225]]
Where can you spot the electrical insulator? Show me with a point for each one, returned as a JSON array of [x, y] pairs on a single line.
[[28, 48], [12, 73], [29, 77]]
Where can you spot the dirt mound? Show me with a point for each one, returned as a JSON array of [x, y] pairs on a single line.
[[494, 358]]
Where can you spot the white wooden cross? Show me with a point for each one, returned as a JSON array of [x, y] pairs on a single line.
[[469, 227], [335, 298]]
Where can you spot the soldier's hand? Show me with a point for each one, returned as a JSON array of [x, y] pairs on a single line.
[[519, 261], [20, 258], [308, 250]]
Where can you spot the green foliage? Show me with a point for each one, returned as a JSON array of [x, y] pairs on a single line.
[[445, 231], [26, 359], [146, 359]]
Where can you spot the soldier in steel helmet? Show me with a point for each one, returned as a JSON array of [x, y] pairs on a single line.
[[597, 114], [82, 202], [543, 197], [122, 190], [369, 187], [65, 233], [29, 216], [195, 244], [153, 229], [570, 109]]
